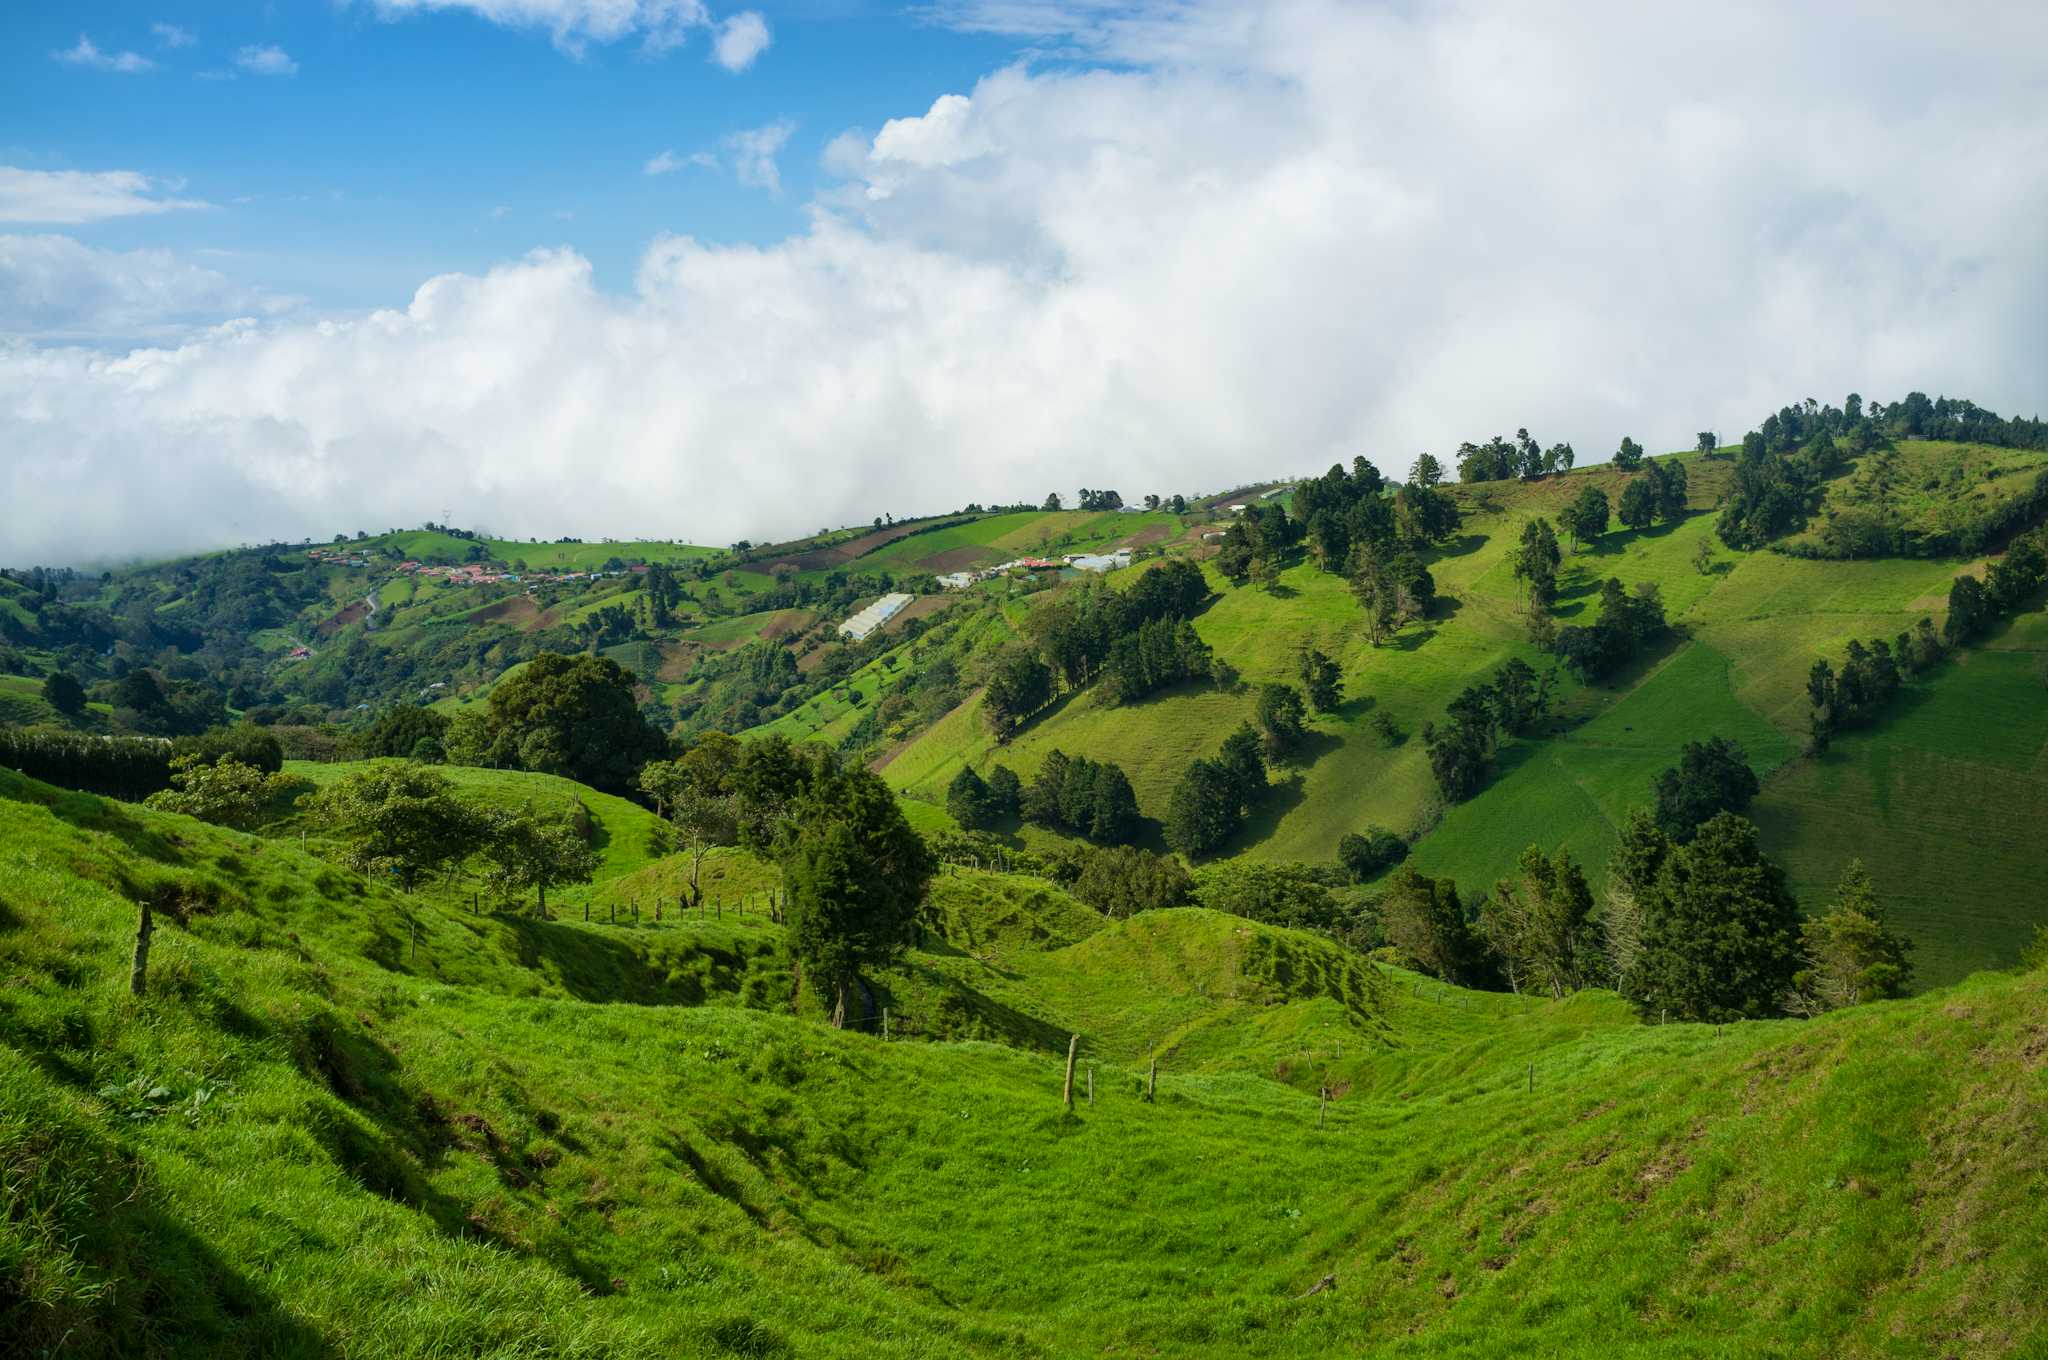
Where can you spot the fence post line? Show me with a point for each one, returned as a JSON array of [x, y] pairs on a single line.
[[1067, 1091]]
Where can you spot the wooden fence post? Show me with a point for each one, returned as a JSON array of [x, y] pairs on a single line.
[[1067, 1092], [1532, 1079], [1323, 1104], [1091, 1084], [1152, 1081], [138, 971]]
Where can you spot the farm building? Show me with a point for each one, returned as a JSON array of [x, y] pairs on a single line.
[[874, 616], [1099, 562]]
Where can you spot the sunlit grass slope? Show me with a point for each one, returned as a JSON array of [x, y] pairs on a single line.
[[297, 1146], [1745, 631]]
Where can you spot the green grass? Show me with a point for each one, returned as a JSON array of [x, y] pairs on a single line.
[[1746, 632], [1942, 487], [1956, 775], [482, 1151], [1573, 790], [593, 556]]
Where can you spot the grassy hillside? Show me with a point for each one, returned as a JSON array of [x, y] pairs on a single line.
[[1745, 631], [306, 1140]]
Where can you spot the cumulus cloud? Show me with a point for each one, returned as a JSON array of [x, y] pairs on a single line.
[[92, 58], [170, 35], [666, 163], [71, 197], [56, 288], [266, 59], [1243, 241], [741, 39]]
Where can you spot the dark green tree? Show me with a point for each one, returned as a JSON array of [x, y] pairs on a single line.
[[1586, 519], [574, 716], [1019, 684], [1638, 509], [1282, 718], [63, 693], [1711, 777], [1541, 927], [1629, 456], [1365, 854], [854, 872], [969, 800], [1321, 679], [1202, 813], [1005, 791], [1720, 935], [1851, 954], [1424, 921]]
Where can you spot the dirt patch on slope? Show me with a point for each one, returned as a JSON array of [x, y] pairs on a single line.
[[787, 622], [521, 611], [353, 614], [824, 559], [962, 558]]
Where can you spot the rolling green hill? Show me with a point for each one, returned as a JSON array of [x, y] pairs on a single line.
[[315, 1137], [1745, 631]]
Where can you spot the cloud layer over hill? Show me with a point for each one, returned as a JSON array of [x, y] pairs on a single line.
[[1183, 247]]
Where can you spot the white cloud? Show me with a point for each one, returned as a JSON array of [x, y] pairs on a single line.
[[753, 153], [265, 59], [55, 288], [661, 25], [71, 197], [740, 40], [666, 163], [87, 55], [170, 35], [1244, 242], [500, 213]]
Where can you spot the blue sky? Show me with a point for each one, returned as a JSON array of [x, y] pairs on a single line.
[[296, 269], [406, 145]]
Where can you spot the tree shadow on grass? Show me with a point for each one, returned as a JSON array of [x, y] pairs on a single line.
[[1460, 546], [171, 1292], [1280, 799]]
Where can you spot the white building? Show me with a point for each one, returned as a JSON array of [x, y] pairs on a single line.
[[1099, 562], [874, 616]]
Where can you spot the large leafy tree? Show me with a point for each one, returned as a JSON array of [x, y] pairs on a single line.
[[529, 849], [854, 872], [573, 716], [403, 820], [1586, 519], [226, 792], [968, 800], [1720, 930]]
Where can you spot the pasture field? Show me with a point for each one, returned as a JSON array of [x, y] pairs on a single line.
[[1746, 629], [520, 1136]]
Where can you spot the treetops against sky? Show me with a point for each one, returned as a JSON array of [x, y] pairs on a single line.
[[660, 267]]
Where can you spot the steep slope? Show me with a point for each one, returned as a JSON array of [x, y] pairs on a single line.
[[1745, 629]]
